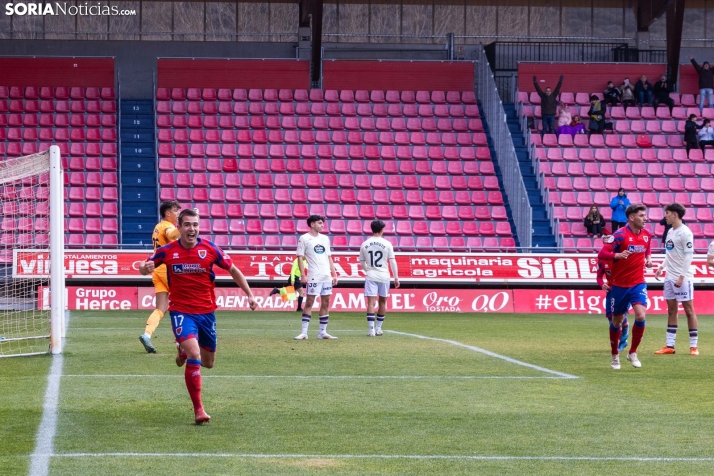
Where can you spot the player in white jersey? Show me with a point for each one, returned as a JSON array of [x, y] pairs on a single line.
[[315, 248], [374, 254], [678, 288]]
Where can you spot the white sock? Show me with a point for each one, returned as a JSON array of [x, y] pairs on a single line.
[[370, 321], [305, 323], [693, 337], [323, 324], [380, 320], [671, 336]]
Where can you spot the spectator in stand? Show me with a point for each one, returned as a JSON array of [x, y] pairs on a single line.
[[706, 135], [548, 105], [577, 126], [564, 120], [643, 91], [706, 83], [612, 95], [594, 221], [597, 115], [619, 204], [662, 88], [628, 93], [690, 132]]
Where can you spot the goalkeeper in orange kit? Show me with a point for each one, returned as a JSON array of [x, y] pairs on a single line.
[[164, 233]]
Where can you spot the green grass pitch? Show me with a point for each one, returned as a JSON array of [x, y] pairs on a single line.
[[395, 404]]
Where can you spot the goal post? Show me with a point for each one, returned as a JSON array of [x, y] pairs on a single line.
[[32, 254]]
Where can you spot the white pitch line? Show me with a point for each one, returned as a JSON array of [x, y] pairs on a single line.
[[489, 353], [44, 442], [335, 377], [663, 459]]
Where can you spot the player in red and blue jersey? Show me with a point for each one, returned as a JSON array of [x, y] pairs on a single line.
[[629, 251], [189, 265], [604, 273]]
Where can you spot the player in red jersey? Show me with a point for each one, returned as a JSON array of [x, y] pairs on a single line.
[[604, 273], [630, 251], [189, 264]]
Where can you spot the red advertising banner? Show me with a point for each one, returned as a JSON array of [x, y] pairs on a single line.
[[521, 268], [523, 301]]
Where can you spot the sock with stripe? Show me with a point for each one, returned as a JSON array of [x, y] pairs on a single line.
[[693, 337], [323, 323], [615, 334], [380, 320], [638, 330], [192, 375], [153, 322], [670, 336], [305, 323], [300, 298], [370, 321]]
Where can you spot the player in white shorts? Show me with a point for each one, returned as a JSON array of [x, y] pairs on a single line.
[[315, 247], [678, 288], [374, 254]]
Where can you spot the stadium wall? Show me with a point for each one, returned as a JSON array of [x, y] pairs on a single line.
[[136, 65]]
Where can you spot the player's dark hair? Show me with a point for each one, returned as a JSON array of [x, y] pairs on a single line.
[[677, 208], [635, 208], [168, 205], [377, 226], [313, 218], [187, 212]]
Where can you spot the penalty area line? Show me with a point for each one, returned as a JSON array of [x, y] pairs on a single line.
[[489, 353], [662, 459]]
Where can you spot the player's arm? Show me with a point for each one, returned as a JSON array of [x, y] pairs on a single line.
[[242, 283], [648, 253], [148, 266], [611, 251], [293, 270], [600, 277], [662, 267], [688, 258], [395, 271], [300, 255], [172, 233], [363, 259], [333, 272]]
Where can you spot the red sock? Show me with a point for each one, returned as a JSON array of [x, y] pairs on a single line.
[[638, 330], [615, 335], [193, 382]]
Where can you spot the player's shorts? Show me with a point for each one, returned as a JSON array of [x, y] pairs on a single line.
[[622, 298], [195, 326], [375, 288], [683, 293], [160, 280], [608, 306], [319, 288], [297, 284]]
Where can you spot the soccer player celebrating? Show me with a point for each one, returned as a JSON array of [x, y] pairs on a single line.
[[192, 301], [679, 249], [374, 254], [630, 251], [604, 273], [315, 248], [164, 233]]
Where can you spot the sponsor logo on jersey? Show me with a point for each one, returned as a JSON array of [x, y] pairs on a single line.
[[669, 245], [646, 238], [187, 268], [608, 239], [689, 244], [202, 254], [636, 248], [319, 249], [176, 255]]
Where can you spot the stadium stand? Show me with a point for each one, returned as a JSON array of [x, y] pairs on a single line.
[[644, 154], [256, 161], [69, 102]]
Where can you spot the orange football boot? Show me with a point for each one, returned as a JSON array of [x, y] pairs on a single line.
[[665, 351], [693, 351]]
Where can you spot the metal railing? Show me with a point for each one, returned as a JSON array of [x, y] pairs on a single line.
[[505, 151]]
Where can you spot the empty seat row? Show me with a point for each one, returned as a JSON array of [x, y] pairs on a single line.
[[278, 151], [91, 240], [290, 109], [93, 209], [58, 120], [643, 184], [302, 95], [33, 92], [95, 194], [93, 225], [586, 154], [60, 135], [92, 149], [428, 124], [626, 169], [90, 164], [59, 106], [218, 196], [651, 199], [91, 179], [608, 140], [261, 136]]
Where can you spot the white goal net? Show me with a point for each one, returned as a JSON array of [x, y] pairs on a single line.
[[31, 227]]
